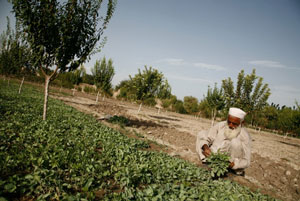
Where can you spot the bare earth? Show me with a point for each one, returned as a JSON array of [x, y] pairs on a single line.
[[275, 163]]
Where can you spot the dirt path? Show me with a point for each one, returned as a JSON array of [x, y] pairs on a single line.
[[275, 163]]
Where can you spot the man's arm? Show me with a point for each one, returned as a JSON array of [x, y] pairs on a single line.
[[205, 139]]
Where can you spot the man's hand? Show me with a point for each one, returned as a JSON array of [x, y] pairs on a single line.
[[206, 151], [231, 165]]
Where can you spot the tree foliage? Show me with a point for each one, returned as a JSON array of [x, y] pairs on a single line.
[[14, 52], [103, 73], [174, 104], [61, 35], [146, 84], [250, 94], [77, 75], [283, 119], [214, 100], [190, 104]]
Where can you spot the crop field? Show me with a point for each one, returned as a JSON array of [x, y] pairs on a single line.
[[71, 156]]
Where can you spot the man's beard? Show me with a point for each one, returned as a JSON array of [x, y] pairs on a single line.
[[231, 133]]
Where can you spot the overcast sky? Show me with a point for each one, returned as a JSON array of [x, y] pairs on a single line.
[[196, 43]]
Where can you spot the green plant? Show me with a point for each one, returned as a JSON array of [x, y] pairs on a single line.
[[146, 84], [88, 89], [150, 101], [218, 163], [190, 104], [103, 73], [121, 120]]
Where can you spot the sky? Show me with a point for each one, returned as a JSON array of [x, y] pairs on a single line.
[[197, 43]]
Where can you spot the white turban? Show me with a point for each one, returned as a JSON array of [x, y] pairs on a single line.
[[236, 112]]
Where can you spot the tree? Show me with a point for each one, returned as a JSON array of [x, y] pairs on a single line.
[[204, 108], [169, 102], [78, 75], [215, 101], [103, 73], [286, 120], [61, 35], [87, 78], [251, 99], [14, 52], [164, 90], [228, 91], [146, 84], [178, 107], [270, 113], [190, 104]]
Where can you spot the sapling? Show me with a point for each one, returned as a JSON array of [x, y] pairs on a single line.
[[218, 163]]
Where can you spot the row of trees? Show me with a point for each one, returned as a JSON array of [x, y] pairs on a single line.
[[102, 75], [16, 59], [251, 95]]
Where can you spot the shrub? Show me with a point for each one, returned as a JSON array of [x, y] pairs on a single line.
[[87, 89], [150, 101], [121, 120]]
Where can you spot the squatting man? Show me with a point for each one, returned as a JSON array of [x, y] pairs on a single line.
[[227, 136]]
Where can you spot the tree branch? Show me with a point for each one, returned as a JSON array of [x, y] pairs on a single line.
[[55, 71], [44, 73]]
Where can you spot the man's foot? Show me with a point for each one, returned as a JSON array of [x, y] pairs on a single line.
[[240, 172], [237, 172]]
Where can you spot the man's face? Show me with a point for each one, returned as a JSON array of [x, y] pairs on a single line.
[[233, 122]]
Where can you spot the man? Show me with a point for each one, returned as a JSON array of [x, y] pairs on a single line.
[[227, 136]]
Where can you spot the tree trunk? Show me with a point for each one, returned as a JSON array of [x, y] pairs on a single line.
[[97, 97], [140, 108], [252, 119], [286, 134], [213, 117], [20, 88], [46, 91], [47, 81], [198, 115]]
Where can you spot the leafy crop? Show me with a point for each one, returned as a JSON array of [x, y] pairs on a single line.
[[123, 121], [71, 156], [218, 163]]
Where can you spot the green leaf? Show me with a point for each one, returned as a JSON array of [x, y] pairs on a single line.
[[88, 184], [10, 187], [3, 199]]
